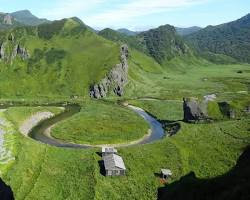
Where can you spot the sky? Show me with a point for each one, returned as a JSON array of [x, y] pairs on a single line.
[[136, 15]]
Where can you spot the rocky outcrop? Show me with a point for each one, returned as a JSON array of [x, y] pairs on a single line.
[[20, 51], [8, 19], [227, 110], [193, 110], [17, 49], [115, 80], [2, 54]]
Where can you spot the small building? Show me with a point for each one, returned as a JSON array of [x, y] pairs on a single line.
[[166, 173], [114, 165], [108, 150]]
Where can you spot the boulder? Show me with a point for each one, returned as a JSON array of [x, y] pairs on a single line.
[[193, 110]]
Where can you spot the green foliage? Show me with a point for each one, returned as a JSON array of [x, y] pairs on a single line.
[[230, 39], [213, 110], [47, 31], [64, 65], [161, 43], [54, 55]]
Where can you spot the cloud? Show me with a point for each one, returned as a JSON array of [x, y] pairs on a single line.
[[133, 9], [68, 8]]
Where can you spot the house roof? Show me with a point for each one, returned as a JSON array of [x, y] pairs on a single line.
[[109, 150], [113, 161]]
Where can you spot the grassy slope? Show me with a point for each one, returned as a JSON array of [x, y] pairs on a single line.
[[65, 64], [101, 123], [182, 153], [44, 172], [187, 76], [57, 173]]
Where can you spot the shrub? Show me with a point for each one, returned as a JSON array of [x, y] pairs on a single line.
[[54, 55]]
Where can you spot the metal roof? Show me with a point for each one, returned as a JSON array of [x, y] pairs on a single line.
[[113, 161], [109, 150]]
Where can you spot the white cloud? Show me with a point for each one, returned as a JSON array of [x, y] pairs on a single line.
[[132, 9], [68, 8]]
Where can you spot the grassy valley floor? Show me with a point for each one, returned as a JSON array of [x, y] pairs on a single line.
[[207, 150], [101, 123], [44, 172]]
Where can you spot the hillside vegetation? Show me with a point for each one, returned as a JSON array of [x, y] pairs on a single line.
[[162, 43], [63, 58], [231, 39]]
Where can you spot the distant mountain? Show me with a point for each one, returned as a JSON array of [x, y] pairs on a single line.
[[187, 31], [7, 21], [162, 43], [19, 18], [230, 39], [27, 18], [127, 32]]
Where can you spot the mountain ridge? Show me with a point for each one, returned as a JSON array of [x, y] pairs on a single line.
[[230, 39]]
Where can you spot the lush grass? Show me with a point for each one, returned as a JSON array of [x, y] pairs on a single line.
[[101, 123], [185, 76], [161, 109], [62, 62], [181, 153], [44, 172]]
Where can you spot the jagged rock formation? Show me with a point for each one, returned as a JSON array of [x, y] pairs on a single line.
[[20, 51], [2, 54], [115, 80], [7, 19], [16, 49], [193, 110]]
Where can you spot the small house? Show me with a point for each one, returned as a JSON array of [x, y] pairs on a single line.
[[114, 165], [166, 173], [108, 150]]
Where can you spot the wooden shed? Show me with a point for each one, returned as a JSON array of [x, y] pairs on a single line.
[[114, 165], [108, 150]]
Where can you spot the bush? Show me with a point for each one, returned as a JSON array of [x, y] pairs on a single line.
[[54, 55]]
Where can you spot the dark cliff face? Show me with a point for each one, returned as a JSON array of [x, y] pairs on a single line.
[[115, 80], [5, 191]]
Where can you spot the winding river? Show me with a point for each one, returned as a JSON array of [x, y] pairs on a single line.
[[41, 132]]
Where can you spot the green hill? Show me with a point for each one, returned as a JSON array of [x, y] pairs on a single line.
[[187, 31], [27, 18], [162, 43], [230, 39], [61, 58]]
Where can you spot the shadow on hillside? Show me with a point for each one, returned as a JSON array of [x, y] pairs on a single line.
[[5, 191], [234, 185]]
